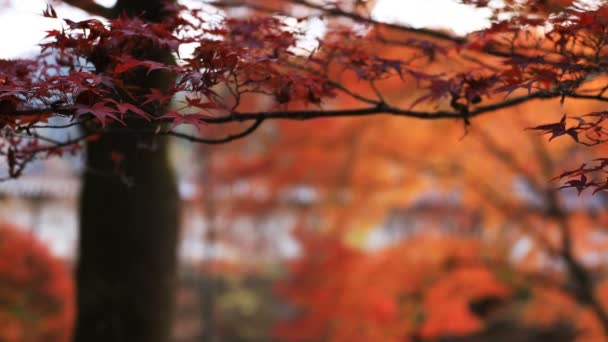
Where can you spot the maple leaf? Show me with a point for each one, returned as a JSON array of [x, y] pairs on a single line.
[[178, 118], [100, 111], [579, 184], [49, 12], [198, 103], [125, 107], [30, 120], [557, 129], [91, 24], [127, 63], [581, 170], [156, 95]]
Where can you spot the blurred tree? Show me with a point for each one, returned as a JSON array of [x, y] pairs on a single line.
[[417, 289], [36, 291], [525, 222]]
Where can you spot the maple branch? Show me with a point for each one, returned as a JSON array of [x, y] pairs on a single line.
[[495, 198], [35, 111], [54, 143], [337, 12], [67, 125], [597, 97], [92, 7], [520, 215], [379, 108], [508, 159], [581, 276], [489, 49], [209, 141], [317, 114]]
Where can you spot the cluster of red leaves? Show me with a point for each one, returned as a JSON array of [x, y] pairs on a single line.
[[402, 292], [35, 291], [566, 61], [588, 175], [87, 71], [588, 130]]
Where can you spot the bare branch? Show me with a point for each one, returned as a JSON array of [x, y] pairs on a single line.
[[209, 141], [153, 132]]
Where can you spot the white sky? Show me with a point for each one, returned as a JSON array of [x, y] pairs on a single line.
[[433, 14], [23, 26]]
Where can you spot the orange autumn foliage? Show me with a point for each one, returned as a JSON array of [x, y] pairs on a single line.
[[36, 291], [361, 169], [419, 287]]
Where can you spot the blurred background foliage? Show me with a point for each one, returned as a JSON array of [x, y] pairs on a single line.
[[368, 229]]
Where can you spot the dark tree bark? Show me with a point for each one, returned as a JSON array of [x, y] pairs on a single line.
[[126, 267], [128, 227]]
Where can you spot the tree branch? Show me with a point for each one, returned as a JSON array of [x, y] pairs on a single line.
[[92, 7], [337, 12], [378, 109], [209, 141], [585, 288]]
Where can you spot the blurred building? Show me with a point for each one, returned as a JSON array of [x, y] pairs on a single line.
[[433, 214], [44, 201]]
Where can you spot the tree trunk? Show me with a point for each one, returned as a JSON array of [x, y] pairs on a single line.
[[126, 267], [128, 228]]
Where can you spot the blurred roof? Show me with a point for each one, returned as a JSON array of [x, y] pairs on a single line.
[[41, 186], [53, 177]]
